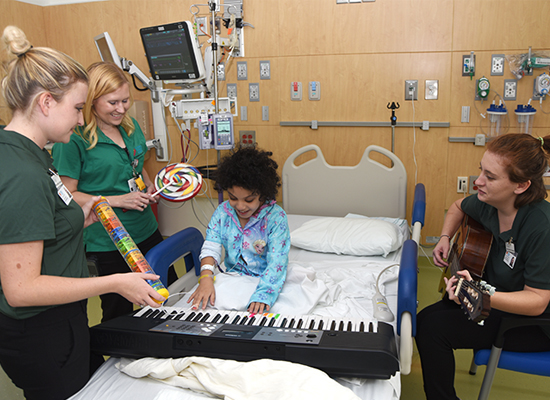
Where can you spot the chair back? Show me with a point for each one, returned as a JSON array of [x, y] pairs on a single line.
[[186, 243]]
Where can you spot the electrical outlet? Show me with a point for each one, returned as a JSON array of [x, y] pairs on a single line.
[[202, 28], [510, 89], [473, 186], [265, 70], [221, 71], [247, 138], [265, 113], [497, 64], [432, 90], [254, 91], [462, 184], [232, 90], [242, 71], [411, 90], [467, 66]]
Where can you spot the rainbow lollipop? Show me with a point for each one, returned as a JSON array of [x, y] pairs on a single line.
[[178, 182]]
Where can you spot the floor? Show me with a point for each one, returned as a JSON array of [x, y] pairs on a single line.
[[507, 385]]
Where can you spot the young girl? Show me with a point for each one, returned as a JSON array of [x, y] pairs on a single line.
[[251, 227], [510, 204]]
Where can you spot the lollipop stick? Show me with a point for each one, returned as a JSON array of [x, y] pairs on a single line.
[[173, 182]]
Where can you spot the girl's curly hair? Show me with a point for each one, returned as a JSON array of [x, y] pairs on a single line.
[[252, 169]]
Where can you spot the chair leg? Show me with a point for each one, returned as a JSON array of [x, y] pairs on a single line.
[[492, 365], [473, 366]]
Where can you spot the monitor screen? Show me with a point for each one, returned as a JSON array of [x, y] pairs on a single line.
[[107, 50], [172, 52]]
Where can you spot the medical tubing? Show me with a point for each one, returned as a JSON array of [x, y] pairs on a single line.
[[125, 245]]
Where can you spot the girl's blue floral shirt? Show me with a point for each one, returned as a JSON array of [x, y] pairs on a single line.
[[259, 249]]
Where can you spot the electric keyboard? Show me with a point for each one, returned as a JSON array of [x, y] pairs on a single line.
[[340, 347]]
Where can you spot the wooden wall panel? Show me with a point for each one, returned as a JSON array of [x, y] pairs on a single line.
[[360, 53], [27, 17]]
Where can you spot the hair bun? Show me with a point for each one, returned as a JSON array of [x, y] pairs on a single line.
[[15, 40]]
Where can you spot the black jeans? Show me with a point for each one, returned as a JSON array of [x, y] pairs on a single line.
[[443, 327]]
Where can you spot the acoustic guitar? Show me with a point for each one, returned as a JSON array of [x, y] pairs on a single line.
[[469, 252]]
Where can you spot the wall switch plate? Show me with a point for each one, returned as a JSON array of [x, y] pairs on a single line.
[[247, 138], [465, 115], [232, 90], [242, 71], [432, 90], [265, 113], [510, 89], [411, 90], [296, 91], [254, 91], [462, 184], [314, 90], [497, 64], [265, 70], [244, 113]]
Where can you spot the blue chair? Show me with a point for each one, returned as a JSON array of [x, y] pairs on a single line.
[[537, 363], [186, 243]]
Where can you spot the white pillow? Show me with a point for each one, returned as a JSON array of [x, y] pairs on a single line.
[[351, 236]]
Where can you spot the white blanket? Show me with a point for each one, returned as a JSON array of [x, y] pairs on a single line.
[[233, 380]]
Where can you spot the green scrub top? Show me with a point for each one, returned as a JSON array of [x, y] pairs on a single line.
[[105, 170], [32, 210]]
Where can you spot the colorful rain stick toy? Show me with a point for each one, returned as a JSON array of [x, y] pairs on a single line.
[[124, 243]]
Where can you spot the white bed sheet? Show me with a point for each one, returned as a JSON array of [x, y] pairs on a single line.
[[326, 284]]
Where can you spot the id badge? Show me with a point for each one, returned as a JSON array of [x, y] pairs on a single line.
[[510, 258], [137, 184], [62, 191]]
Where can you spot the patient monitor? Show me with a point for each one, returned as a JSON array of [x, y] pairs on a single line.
[[173, 52]]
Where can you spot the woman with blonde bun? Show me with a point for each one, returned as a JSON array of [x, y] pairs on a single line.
[[44, 283]]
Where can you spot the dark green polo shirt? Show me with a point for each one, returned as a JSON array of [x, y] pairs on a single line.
[[105, 170], [32, 210], [530, 235]]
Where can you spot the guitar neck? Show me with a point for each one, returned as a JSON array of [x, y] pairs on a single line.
[[474, 299]]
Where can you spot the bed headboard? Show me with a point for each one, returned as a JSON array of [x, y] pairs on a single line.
[[369, 188]]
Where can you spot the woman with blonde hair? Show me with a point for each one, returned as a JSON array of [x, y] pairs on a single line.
[[44, 337], [105, 157]]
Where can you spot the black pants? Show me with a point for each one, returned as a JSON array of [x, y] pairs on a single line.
[[112, 262], [443, 327], [48, 355]]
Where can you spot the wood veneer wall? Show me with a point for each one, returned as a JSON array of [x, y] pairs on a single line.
[[360, 53]]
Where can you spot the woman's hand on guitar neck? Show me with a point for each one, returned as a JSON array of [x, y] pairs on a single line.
[[452, 281]]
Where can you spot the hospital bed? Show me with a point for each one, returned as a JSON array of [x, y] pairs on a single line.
[[326, 278]]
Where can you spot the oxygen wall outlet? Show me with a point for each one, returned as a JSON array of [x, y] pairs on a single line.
[[221, 71], [468, 67]]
